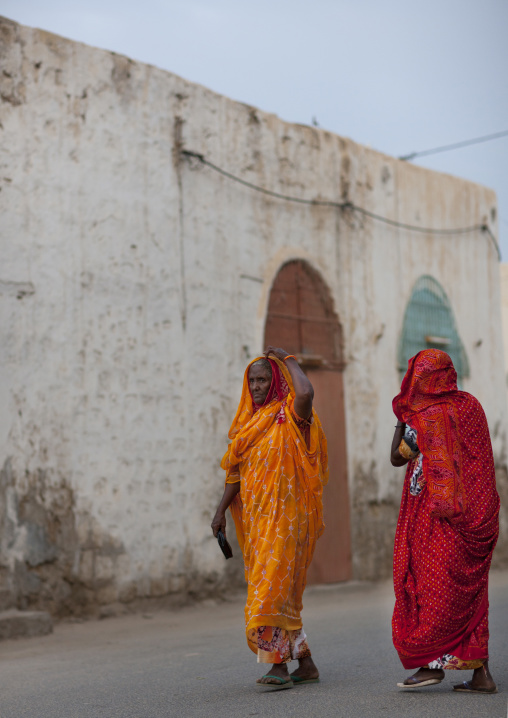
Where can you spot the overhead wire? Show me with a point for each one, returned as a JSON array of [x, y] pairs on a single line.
[[347, 205], [455, 145]]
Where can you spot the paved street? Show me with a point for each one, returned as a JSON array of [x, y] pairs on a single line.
[[194, 662]]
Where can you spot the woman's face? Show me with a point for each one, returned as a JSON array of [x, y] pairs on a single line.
[[260, 380]]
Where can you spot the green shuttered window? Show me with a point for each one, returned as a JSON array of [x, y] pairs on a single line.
[[429, 323]]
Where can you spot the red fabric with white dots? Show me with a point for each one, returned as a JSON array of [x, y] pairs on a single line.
[[446, 535]]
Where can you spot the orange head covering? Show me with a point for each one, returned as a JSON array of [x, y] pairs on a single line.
[[280, 388]]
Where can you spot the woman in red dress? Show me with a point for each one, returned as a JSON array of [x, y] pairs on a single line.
[[447, 529]]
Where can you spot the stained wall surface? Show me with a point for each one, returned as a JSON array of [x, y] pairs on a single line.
[[134, 285], [504, 311]]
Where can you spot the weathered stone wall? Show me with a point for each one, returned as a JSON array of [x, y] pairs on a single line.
[[133, 289], [503, 267]]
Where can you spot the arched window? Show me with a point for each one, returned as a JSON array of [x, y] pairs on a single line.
[[429, 324]]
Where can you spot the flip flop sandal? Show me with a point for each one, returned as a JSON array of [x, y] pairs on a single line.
[[420, 684], [301, 681], [281, 684], [466, 687]]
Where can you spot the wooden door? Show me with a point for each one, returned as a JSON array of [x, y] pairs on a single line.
[[332, 558], [301, 320]]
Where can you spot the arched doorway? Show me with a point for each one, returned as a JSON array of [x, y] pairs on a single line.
[[429, 324], [301, 319]]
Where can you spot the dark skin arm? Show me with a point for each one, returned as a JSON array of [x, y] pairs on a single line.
[[396, 458], [304, 392], [219, 520]]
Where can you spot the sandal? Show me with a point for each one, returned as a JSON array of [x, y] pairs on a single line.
[[466, 687], [281, 684], [419, 684], [298, 681]]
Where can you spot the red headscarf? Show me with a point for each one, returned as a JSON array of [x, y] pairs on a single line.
[[430, 379], [430, 402]]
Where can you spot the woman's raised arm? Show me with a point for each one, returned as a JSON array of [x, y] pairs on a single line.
[[304, 392]]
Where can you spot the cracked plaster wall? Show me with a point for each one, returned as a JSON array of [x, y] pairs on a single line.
[[133, 289]]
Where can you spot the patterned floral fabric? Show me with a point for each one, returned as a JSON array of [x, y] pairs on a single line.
[[278, 512], [446, 534], [449, 662], [275, 645]]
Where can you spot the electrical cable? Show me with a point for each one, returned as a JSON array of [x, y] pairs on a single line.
[[344, 205], [455, 145]]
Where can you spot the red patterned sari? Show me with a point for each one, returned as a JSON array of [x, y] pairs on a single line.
[[447, 532]]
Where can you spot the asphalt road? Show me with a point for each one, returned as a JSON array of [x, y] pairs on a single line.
[[195, 662]]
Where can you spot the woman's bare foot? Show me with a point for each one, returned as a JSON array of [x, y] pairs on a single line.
[[279, 670], [481, 681], [307, 669], [424, 676]]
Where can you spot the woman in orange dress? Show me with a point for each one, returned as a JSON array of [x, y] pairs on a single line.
[[276, 466], [447, 528]]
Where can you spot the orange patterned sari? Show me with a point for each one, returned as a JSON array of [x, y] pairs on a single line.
[[278, 513], [446, 534]]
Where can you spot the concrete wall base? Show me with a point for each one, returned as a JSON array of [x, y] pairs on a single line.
[[24, 624]]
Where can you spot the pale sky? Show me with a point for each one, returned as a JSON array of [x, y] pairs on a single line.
[[397, 75]]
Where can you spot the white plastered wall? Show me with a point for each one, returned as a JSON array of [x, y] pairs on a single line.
[[144, 278]]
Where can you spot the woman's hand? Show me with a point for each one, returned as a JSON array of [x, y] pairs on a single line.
[[219, 523], [396, 457], [277, 352], [219, 520]]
